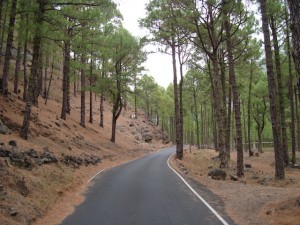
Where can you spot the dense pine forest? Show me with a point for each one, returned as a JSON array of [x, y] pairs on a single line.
[[235, 68], [235, 89]]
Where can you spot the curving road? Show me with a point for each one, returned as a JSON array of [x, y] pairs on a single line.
[[143, 192]]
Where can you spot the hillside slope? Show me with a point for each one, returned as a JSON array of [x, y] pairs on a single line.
[[61, 156]]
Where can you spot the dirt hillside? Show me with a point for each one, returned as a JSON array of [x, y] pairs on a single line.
[[53, 166], [255, 199]]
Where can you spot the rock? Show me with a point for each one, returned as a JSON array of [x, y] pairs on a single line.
[[265, 180], [48, 157], [22, 188], [138, 137], [147, 137], [234, 177], [269, 212], [248, 165], [217, 174], [131, 124], [4, 152], [12, 143], [296, 166], [3, 129], [13, 211], [32, 153]]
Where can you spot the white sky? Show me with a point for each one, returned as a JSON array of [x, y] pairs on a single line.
[[158, 65]]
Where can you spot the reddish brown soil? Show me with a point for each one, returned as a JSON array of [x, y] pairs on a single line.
[[248, 201]]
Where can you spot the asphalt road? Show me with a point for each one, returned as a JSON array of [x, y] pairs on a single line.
[[143, 192]]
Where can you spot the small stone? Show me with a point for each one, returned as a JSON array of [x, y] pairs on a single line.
[[13, 211], [234, 177], [269, 212], [247, 165], [12, 143], [296, 166]]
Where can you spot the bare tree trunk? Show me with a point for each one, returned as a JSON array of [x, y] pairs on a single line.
[[297, 118], [9, 42], [290, 89], [66, 74], [82, 92], [279, 163], [18, 65], [91, 92], [50, 80], [294, 6], [3, 24], [197, 118], [25, 61], [236, 100], [249, 110], [280, 92], [30, 99], [179, 150]]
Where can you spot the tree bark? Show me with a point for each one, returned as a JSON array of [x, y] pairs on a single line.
[[290, 89], [236, 100], [280, 91], [82, 91], [17, 67], [279, 163], [249, 110], [91, 92], [9, 43], [179, 150], [32, 86], [25, 60], [3, 30], [66, 74], [294, 6]]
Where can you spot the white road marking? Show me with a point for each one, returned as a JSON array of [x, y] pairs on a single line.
[[198, 196], [122, 164]]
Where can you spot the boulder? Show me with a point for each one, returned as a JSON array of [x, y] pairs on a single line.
[[234, 177], [3, 129], [12, 143], [147, 137], [217, 174]]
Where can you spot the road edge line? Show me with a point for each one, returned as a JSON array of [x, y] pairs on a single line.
[[197, 195], [122, 164]]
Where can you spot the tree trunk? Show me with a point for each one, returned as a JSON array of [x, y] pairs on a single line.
[[3, 29], [294, 6], [91, 92], [45, 76], [30, 99], [18, 65], [297, 118], [280, 92], [236, 100], [249, 110], [290, 90], [9, 43], [66, 74], [197, 118], [25, 61], [82, 91], [179, 150], [279, 163], [50, 80]]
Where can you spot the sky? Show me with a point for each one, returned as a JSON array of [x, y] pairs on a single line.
[[158, 65]]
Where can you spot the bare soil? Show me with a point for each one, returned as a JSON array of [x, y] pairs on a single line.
[[46, 194], [256, 199]]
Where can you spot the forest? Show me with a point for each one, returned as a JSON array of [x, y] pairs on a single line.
[[236, 67]]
